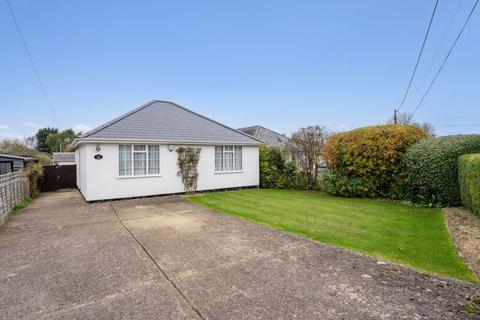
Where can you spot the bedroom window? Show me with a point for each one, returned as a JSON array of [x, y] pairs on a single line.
[[139, 160], [228, 158]]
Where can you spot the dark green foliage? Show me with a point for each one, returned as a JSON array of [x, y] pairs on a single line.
[[338, 184], [469, 181], [366, 162], [41, 136], [60, 142], [275, 170], [304, 181], [432, 169]]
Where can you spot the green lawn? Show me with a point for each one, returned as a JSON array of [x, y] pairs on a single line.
[[406, 234]]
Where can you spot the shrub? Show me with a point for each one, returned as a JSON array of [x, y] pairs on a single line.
[[369, 159], [469, 181], [275, 170], [341, 185], [432, 169], [33, 171]]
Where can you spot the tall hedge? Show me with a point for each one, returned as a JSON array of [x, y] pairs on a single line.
[[366, 161], [432, 169], [469, 181]]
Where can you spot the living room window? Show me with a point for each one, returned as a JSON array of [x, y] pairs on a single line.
[[139, 160]]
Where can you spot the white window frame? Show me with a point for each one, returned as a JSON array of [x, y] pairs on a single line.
[[132, 160], [232, 152]]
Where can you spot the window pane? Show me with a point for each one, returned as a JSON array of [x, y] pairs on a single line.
[[125, 160], [238, 158], [153, 160], [218, 158], [139, 147], [139, 163], [228, 148], [228, 161]]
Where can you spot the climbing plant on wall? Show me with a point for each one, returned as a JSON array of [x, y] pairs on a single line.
[[187, 163]]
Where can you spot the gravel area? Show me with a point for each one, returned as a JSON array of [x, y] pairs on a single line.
[[465, 230]]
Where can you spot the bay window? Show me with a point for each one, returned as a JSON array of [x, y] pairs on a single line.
[[139, 160], [228, 158]]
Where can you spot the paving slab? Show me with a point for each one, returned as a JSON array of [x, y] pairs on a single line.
[[64, 259]]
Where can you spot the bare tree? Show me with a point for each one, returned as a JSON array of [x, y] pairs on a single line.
[[306, 145], [407, 118], [31, 142]]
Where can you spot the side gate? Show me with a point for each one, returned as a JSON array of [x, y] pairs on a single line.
[[58, 177]]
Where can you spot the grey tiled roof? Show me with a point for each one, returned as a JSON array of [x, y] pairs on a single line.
[[167, 121], [267, 136]]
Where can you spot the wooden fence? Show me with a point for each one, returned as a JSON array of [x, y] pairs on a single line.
[[14, 187]]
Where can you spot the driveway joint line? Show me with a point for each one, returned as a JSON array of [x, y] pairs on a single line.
[[157, 265]]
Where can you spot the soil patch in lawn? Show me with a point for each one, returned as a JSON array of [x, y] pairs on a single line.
[[465, 230]]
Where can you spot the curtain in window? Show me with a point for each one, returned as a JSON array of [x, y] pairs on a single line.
[[125, 156], [139, 160], [153, 159], [139, 147], [238, 159], [218, 158], [228, 154]]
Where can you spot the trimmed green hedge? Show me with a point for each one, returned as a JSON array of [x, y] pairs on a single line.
[[432, 169], [366, 162], [469, 181]]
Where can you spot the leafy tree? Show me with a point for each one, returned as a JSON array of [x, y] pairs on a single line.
[[60, 142], [31, 142], [307, 146], [41, 136]]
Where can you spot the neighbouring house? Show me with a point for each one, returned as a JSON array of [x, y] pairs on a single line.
[[134, 155], [269, 137], [9, 163], [63, 158]]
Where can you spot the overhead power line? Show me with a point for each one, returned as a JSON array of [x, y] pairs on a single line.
[[446, 57], [32, 62], [430, 65], [419, 56]]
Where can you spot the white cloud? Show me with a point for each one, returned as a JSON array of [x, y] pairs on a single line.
[[11, 135], [4, 127], [81, 128], [33, 125]]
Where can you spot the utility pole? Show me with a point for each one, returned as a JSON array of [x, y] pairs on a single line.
[[394, 116]]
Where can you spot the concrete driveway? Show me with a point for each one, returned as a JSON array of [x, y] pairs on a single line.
[[165, 258]]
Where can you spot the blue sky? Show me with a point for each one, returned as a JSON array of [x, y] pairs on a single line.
[[282, 64]]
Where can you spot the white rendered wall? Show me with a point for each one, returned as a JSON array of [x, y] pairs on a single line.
[[99, 179], [81, 172]]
